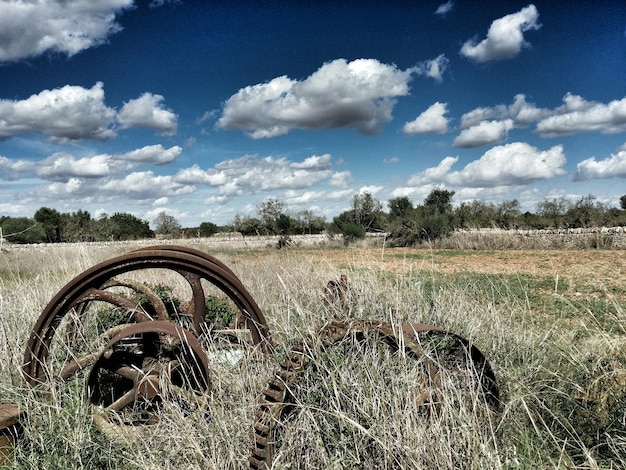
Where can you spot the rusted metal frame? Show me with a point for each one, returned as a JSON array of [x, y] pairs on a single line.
[[163, 327], [145, 380], [255, 320], [44, 330], [153, 299], [191, 251], [199, 306], [278, 393], [481, 365], [10, 431]]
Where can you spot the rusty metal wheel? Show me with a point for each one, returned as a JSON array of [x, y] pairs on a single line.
[[142, 367], [433, 348], [459, 357], [115, 288], [282, 389]]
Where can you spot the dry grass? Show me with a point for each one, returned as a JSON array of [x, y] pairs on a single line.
[[551, 323]]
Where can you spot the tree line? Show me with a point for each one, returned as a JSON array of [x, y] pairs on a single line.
[[405, 223]]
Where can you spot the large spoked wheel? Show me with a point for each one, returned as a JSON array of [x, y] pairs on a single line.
[[435, 356], [97, 304], [334, 342], [466, 367], [143, 367]]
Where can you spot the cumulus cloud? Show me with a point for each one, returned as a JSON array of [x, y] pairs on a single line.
[[340, 179], [154, 154], [505, 37], [487, 132], [520, 111], [433, 120], [516, 163], [146, 111], [434, 68], [444, 8], [14, 169], [144, 185], [29, 28], [359, 94], [250, 174], [62, 166], [76, 113], [579, 115], [611, 167], [68, 113], [486, 125]]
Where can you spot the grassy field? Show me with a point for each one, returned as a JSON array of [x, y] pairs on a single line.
[[551, 323]]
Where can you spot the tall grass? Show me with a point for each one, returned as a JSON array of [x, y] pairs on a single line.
[[560, 361]]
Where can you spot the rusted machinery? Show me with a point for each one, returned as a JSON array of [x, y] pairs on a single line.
[[150, 349]]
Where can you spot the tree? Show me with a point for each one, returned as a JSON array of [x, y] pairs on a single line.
[[126, 226], [585, 212], [400, 207], [439, 201], [367, 211], [51, 221], [269, 212], [622, 202], [167, 225], [307, 222], [78, 226], [247, 225], [554, 210], [207, 229], [21, 230], [506, 213]]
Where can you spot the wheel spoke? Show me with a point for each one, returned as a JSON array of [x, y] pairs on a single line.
[[123, 401]]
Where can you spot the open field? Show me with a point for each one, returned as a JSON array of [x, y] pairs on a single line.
[[551, 323]]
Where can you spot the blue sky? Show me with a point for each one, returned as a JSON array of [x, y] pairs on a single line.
[[206, 109]]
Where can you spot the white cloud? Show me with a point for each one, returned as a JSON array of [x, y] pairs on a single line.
[[433, 120], [68, 113], [63, 166], [250, 174], [196, 175], [76, 113], [340, 179], [611, 167], [520, 111], [434, 68], [13, 169], [579, 115], [505, 37], [444, 8], [506, 165], [162, 201], [29, 28], [155, 154], [146, 111], [487, 132], [359, 94], [144, 185]]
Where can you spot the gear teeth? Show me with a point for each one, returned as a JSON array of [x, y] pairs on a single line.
[[261, 428], [273, 395], [258, 440], [256, 464]]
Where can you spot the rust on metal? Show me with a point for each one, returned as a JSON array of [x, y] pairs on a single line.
[[91, 285], [479, 362], [155, 351], [278, 394], [140, 370], [10, 429]]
